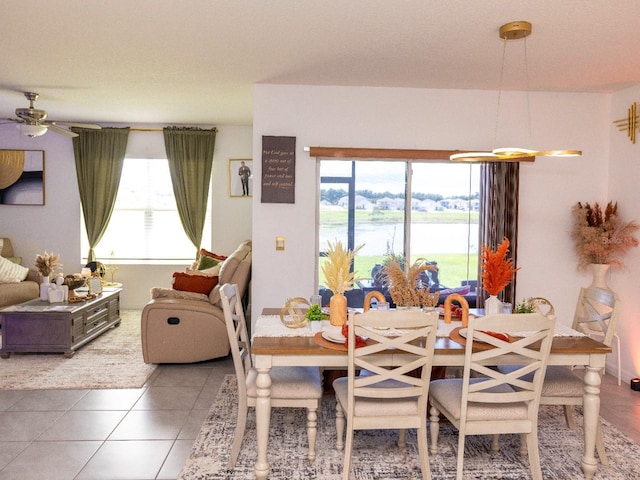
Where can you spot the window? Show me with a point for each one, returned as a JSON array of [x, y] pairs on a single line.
[[412, 208], [145, 224]]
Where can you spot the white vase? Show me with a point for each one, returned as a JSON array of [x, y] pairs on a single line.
[[599, 272], [44, 289], [492, 306]]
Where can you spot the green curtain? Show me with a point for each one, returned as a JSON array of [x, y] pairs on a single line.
[[190, 155], [499, 183], [99, 157]]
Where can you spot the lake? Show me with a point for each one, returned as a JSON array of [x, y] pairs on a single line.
[[426, 238]]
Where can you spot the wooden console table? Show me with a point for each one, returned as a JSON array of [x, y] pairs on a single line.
[[37, 326]]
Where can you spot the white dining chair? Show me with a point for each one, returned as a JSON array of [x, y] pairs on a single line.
[[386, 397], [486, 401], [596, 315], [295, 387]]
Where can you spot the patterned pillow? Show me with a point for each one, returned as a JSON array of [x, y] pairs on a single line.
[[11, 272]]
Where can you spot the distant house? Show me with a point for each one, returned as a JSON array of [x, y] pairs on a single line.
[[424, 205], [361, 203], [387, 203]]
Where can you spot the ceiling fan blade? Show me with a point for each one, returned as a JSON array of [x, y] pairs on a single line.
[[61, 131], [75, 124]]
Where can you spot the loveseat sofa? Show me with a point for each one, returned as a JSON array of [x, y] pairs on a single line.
[[13, 292], [185, 327]]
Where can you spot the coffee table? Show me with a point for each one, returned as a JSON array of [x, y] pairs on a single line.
[[38, 326]]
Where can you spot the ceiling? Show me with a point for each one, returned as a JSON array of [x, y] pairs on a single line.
[[195, 61]]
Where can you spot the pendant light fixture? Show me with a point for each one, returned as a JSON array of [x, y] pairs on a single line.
[[512, 31]]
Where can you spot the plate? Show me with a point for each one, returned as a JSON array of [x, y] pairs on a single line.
[[463, 332], [335, 337]]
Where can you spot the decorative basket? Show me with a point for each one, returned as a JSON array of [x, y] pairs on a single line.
[[73, 281], [292, 314]]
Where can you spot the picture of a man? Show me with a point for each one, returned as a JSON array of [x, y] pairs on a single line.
[[244, 173]]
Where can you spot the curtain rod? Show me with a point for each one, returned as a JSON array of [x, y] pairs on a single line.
[[154, 129]]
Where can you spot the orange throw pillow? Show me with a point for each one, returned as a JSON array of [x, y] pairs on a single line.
[[212, 255], [194, 283]]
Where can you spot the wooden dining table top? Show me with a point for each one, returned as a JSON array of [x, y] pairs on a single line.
[[444, 345]]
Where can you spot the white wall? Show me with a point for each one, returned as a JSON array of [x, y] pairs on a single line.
[[55, 227], [624, 181], [437, 119]]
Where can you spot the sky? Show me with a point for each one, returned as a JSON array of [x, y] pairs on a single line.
[[447, 179]]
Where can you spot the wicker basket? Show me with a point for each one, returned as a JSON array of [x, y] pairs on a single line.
[[292, 314]]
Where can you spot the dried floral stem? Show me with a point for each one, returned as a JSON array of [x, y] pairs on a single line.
[[405, 287], [601, 237], [497, 269], [47, 263], [337, 269]]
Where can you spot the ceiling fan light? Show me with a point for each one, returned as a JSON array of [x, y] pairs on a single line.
[[31, 130]]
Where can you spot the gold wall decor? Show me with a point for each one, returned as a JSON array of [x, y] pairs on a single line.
[[630, 124], [21, 177]]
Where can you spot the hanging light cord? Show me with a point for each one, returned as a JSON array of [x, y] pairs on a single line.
[[495, 131], [526, 74]]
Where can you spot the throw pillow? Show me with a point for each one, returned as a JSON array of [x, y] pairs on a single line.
[[215, 256], [206, 262], [212, 272], [14, 273], [159, 292], [194, 283]]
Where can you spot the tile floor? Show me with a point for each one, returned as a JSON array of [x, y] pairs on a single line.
[[147, 433], [127, 434]]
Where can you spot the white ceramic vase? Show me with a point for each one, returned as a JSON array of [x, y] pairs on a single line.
[[492, 306], [44, 289]]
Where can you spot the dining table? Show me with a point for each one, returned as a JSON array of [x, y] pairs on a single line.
[[274, 345]]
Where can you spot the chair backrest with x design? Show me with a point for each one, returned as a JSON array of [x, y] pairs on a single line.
[[597, 313], [237, 332], [528, 347], [414, 338]]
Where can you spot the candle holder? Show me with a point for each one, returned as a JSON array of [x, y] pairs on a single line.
[[635, 384], [86, 274]]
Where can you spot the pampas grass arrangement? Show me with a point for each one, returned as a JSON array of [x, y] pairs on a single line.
[[405, 287], [337, 269], [600, 236], [47, 263]]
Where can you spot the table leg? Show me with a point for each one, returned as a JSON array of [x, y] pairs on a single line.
[[263, 418], [591, 407]]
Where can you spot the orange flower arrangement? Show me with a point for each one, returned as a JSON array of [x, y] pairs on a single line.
[[497, 269]]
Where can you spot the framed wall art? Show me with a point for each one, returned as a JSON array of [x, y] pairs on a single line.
[[240, 177], [21, 177]]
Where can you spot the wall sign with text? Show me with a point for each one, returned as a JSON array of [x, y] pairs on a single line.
[[278, 169]]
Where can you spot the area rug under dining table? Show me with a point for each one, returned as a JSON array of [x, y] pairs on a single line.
[[112, 360], [376, 455]]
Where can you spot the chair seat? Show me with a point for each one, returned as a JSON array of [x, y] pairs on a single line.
[[370, 407], [449, 392], [559, 381], [289, 382]]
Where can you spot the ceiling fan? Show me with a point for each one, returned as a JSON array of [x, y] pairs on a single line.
[[32, 121]]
